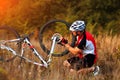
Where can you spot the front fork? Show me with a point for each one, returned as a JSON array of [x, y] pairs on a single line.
[[52, 49]]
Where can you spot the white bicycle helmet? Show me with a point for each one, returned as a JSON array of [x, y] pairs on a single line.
[[77, 26]]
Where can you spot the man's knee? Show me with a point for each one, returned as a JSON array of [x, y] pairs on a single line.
[[66, 63]]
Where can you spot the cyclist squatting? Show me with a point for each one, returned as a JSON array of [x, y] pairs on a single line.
[[84, 51]]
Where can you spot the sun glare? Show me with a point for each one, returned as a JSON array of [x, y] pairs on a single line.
[[6, 5]]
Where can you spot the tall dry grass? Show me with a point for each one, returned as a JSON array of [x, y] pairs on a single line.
[[109, 61]]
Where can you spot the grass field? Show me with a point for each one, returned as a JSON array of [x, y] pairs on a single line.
[[108, 48]]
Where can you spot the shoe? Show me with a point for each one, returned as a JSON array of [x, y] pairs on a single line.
[[96, 70]]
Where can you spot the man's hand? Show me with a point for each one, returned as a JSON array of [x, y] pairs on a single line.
[[62, 41]]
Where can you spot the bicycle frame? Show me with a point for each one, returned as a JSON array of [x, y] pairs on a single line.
[[3, 46], [25, 41]]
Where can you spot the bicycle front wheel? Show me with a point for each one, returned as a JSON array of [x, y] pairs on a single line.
[[46, 33], [6, 34]]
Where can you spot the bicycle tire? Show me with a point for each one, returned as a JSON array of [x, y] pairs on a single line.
[[8, 33], [42, 30]]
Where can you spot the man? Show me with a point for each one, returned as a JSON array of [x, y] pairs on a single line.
[[84, 52]]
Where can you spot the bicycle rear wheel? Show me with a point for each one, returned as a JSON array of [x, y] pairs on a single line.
[[8, 33], [47, 31]]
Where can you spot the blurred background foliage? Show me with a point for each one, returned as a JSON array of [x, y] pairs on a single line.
[[101, 16]]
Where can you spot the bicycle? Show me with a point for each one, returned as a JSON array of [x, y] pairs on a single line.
[[14, 45]]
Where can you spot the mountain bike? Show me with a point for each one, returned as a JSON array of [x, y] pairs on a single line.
[[25, 42], [21, 46]]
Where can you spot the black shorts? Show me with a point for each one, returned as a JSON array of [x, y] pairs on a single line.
[[78, 63]]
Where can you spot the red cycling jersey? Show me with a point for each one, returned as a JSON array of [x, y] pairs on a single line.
[[90, 46]]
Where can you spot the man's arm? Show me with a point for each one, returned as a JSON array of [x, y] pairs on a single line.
[[73, 50]]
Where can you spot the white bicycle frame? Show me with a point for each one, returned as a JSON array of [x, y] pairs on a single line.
[[26, 41]]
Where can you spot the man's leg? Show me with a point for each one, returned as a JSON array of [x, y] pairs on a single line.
[[85, 70], [81, 71], [66, 64], [93, 69]]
